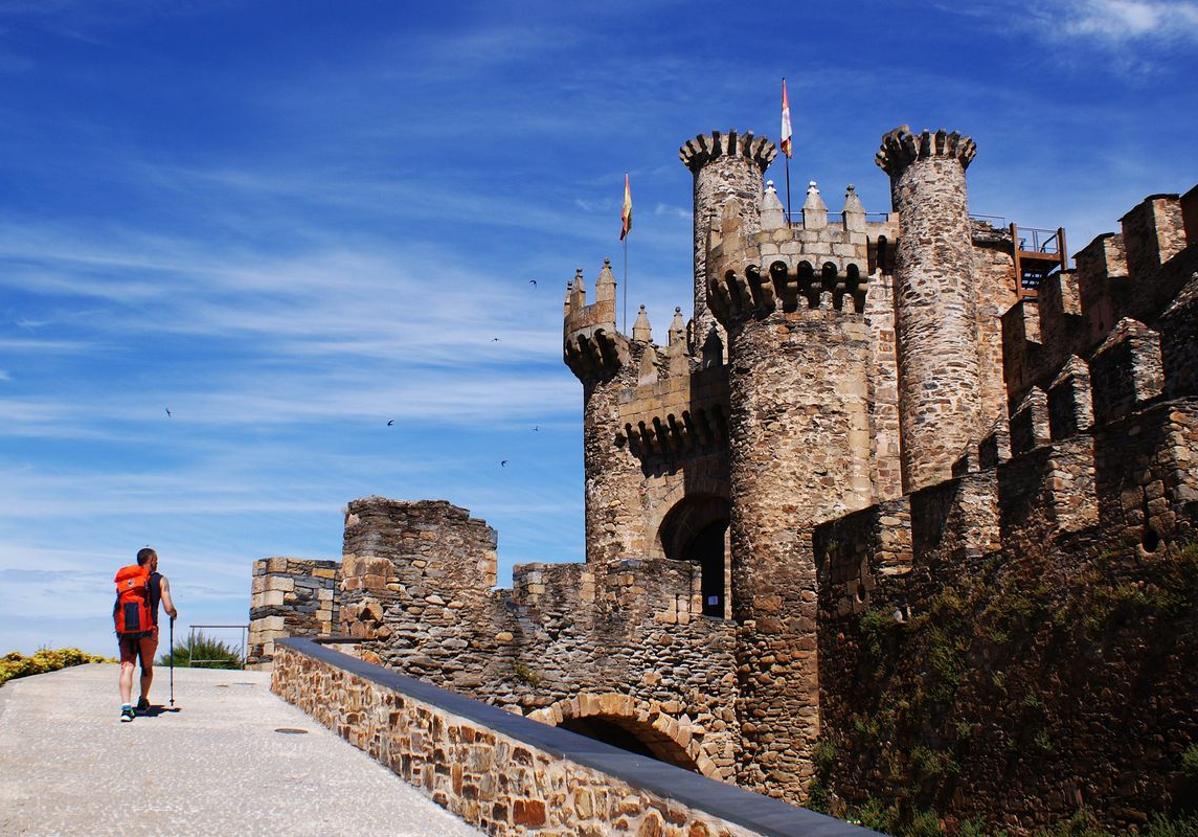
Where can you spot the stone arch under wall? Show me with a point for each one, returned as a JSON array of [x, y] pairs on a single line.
[[667, 738], [694, 519]]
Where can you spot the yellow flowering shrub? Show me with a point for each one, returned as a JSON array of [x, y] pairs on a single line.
[[45, 659]]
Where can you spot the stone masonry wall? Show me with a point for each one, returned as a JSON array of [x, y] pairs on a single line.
[[289, 597], [498, 783], [417, 580], [1041, 653]]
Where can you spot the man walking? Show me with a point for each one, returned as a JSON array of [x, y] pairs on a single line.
[[140, 589]]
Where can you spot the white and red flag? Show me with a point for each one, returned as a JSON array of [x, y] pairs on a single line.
[[626, 211], [786, 148]]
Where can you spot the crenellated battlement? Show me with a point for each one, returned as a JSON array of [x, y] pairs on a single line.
[[739, 286], [1134, 274], [698, 152], [784, 286], [845, 238], [592, 347], [900, 148]]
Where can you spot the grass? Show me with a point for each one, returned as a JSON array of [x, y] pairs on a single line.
[[16, 665], [214, 652]]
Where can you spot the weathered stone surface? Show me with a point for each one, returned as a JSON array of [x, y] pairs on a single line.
[[500, 784]]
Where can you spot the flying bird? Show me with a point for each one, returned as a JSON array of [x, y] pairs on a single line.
[[532, 282], [168, 412], [503, 463], [391, 422], [494, 339], [537, 429]]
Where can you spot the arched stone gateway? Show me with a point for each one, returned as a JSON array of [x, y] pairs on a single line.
[[631, 724]]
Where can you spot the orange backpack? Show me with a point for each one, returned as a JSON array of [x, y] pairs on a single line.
[[132, 610]]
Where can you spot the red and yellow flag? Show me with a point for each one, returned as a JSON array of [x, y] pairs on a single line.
[[785, 121], [626, 211]]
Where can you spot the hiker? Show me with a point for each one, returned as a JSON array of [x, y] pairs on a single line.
[[140, 588]]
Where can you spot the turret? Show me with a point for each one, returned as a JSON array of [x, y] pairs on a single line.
[[593, 349], [725, 166], [799, 453], [936, 318], [607, 363]]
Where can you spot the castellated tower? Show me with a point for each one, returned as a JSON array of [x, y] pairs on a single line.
[[799, 453], [725, 166], [602, 358], [935, 302]]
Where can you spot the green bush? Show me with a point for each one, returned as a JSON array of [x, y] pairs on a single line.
[[15, 664], [213, 652], [1162, 826], [1189, 763]]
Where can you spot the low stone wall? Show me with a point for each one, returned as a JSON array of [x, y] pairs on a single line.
[[510, 775], [290, 597]]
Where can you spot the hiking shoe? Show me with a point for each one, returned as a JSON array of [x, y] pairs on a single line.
[[143, 706], [127, 714]]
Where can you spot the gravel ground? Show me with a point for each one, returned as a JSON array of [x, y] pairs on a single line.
[[217, 766]]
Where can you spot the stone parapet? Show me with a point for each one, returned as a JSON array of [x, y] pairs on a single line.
[[1137, 274], [511, 775], [900, 148], [290, 597]]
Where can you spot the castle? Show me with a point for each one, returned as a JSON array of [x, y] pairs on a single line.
[[883, 463]]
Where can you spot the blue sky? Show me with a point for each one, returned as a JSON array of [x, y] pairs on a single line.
[[290, 222]]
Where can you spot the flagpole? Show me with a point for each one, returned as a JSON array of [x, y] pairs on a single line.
[[625, 284], [787, 158]]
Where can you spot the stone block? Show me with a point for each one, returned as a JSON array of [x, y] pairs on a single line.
[[1070, 409], [1153, 232], [1030, 423], [1125, 371]]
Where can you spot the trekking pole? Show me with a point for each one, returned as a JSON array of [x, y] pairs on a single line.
[[172, 659]]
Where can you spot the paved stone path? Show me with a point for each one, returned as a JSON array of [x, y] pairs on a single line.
[[68, 766]]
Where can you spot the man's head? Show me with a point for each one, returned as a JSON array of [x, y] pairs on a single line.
[[147, 557]]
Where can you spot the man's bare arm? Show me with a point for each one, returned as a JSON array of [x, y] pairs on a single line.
[[167, 602]]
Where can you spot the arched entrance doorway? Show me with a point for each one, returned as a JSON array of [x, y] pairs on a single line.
[[696, 530]]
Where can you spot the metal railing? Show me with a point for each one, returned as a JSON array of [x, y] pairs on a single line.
[[797, 217], [1042, 241], [192, 660]]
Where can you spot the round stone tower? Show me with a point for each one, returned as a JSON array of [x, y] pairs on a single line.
[[606, 362], [935, 308], [799, 454], [725, 166]]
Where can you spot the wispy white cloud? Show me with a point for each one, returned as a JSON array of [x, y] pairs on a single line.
[[1124, 21], [672, 211]]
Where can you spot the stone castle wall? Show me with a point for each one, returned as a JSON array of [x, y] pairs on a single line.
[[957, 565], [1019, 643], [510, 776], [1022, 642], [417, 584], [289, 597]]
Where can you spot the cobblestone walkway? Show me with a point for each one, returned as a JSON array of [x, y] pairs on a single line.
[[68, 766]]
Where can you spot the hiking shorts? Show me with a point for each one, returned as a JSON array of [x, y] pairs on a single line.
[[140, 647]]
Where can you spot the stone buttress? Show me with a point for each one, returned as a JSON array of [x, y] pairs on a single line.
[[799, 358], [935, 304]]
